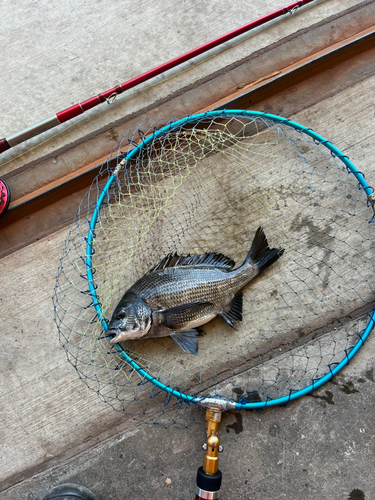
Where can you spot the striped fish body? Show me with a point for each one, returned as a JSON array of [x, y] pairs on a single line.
[[182, 293], [209, 290]]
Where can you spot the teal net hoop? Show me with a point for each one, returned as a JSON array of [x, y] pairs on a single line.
[[328, 206]]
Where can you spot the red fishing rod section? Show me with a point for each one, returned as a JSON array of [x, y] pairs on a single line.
[[78, 109]]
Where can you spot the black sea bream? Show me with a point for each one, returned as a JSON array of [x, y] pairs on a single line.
[[182, 293]]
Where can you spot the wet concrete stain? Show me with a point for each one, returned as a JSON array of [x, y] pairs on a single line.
[[369, 374], [348, 388], [246, 397], [274, 430], [239, 393], [237, 426], [253, 397], [283, 198], [319, 238], [356, 495], [328, 397]]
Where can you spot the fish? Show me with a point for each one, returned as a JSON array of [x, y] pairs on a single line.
[[183, 292]]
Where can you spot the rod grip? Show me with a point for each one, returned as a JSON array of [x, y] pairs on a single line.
[[208, 485]]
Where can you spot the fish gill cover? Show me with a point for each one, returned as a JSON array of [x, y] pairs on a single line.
[[206, 185]]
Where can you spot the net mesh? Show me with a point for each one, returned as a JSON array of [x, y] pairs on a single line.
[[207, 186]]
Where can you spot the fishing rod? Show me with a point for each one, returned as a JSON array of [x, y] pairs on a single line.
[[109, 95], [77, 109]]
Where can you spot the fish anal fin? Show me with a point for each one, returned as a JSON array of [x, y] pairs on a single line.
[[209, 259], [187, 340], [225, 318], [235, 311]]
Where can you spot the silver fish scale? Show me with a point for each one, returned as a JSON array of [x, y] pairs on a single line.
[[170, 287]]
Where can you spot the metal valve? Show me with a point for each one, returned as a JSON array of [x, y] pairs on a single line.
[[220, 449], [212, 447]]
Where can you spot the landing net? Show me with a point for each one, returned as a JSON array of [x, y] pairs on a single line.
[[206, 183]]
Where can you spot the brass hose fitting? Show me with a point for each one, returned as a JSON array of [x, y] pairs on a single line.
[[212, 447]]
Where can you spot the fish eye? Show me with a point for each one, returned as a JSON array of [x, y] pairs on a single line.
[[120, 315]]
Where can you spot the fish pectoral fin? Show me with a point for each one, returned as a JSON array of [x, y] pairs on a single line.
[[176, 317], [235, 311], [187, 340]]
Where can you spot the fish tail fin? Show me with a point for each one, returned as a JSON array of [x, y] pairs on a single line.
[[261, 255]]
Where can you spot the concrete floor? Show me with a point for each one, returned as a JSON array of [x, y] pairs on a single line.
[[318, 447], [53, 428]]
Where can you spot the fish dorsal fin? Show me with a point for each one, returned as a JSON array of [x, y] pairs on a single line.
[[168, 261], [209, 259]]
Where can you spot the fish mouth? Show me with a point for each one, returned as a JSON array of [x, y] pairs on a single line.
[[120, 335], [135, 333], [114, 334]]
